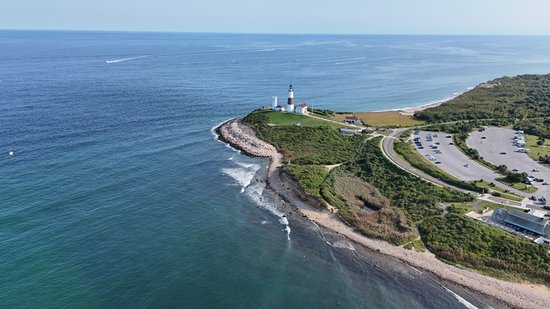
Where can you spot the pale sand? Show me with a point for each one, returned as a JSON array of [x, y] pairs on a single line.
[[519, 295], [411, 110]]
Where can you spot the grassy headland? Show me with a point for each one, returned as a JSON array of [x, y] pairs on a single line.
[[381, 200]]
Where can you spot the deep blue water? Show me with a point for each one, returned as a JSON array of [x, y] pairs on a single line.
[[119, 196]]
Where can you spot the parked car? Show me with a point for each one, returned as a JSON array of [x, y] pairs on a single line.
[[515, 170], [484, 137], [503, 153], [437, 162], [451, 143], [535, 170], [544, 183]]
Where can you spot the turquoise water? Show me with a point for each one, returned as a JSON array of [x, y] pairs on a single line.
[[118, 195]]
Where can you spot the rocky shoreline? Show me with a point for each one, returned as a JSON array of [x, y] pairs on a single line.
[[516, 295]]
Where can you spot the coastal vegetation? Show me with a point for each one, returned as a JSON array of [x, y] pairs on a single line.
[[540, 148], [320, 145], [389, 119], [459, 239], [520, 97], [285, 119], [365, 208], [419, 199], [381, 200], [309, 177]]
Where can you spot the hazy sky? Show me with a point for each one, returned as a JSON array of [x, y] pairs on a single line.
[[283, 16]]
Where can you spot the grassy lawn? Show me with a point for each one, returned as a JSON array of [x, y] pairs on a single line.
[[497, 191], [536, 150], [285, 119], [386, 119], [492, 206], [520, 186]]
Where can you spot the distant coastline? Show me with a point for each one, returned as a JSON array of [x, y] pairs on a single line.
[[413, 109]]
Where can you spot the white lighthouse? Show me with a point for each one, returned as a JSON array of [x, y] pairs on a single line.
[[290, 103], [274, 102]]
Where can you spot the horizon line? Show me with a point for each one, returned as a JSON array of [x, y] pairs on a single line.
[[270, 33]]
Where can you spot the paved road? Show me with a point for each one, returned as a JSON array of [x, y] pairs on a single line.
[[387, 147], [453, 160], [499, 140]]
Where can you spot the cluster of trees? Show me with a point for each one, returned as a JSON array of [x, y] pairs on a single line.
[[310, 177], [539, 127], [460, 239], [520, 97], [322, 112], [418, 198]]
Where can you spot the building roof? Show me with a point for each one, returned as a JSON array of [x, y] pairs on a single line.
[[303, 105], [524, 220], [351, 117]]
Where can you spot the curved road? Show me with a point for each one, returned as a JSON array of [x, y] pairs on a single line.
[[389, 152]]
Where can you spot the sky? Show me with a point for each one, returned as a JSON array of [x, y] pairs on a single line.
[[500, 17]]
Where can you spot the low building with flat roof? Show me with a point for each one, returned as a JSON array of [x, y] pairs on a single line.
[[531, 221]]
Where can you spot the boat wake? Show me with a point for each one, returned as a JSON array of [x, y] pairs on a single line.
[[125, 59]]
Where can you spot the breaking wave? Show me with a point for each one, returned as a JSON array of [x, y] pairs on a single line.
[[244, 175]]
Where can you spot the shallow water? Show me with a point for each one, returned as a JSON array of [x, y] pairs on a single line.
[[118, 195]]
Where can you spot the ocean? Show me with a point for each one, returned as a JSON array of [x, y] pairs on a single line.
[[118, 195]]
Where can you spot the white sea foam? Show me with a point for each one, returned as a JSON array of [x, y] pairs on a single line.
[[343, 244], [243, 174], [255, 192], [125, 59], [461, 300]]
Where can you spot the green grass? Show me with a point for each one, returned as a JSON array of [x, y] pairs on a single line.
[[517, 185], [286, 119], [310, 177], [537, 150], [488, 188], [471, 243], [463, 208], [387, 119], [491, 205], [317, 145]]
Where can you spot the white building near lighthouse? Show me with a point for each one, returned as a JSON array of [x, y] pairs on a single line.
[[301, 109], [290, 107]]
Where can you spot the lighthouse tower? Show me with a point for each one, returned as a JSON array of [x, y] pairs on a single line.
[[290, 103]]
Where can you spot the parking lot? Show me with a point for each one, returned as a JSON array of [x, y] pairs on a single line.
[[451, 159], [496, 146]]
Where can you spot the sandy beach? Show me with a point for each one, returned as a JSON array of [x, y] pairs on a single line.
[[517, 295]]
